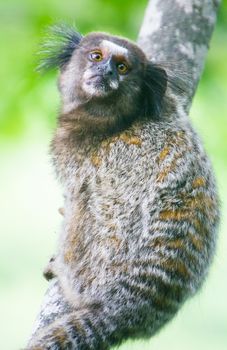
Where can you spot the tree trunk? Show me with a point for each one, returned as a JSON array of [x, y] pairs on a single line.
[[176, 32]]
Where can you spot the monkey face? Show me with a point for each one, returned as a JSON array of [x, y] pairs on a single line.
[[102, 74], [108, 65], [108, 73]]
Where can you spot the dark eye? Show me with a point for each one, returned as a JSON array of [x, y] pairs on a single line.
[[122, 68], [96, 56]]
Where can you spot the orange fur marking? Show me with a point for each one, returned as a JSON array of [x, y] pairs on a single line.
[[198, 182], [126, 137], [174, 215], [175, 244], [176, 266], [163, 154], [201, 202], [171, 264], [174, 140], [130, 139], [196, 241], [96, 160], [166, 242], [60, 335], [162, 175], [199, 227]]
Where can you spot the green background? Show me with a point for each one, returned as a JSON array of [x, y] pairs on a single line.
[[30, 195]]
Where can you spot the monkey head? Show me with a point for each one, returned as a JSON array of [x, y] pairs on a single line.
[[109, 74]]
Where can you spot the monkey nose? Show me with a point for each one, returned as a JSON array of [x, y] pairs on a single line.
[[109, 71]]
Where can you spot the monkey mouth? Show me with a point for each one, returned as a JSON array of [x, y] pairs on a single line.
[[96, 78], [99, 85], [99, 81]]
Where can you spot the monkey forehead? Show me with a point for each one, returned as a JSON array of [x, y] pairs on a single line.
[[120, 45], [113, 48]]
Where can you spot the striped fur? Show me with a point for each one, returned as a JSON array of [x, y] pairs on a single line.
[[139, 231]]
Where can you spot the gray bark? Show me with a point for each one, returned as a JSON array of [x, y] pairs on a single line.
[[176, 31]]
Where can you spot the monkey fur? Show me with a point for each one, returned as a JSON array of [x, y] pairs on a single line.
[[141, 209]]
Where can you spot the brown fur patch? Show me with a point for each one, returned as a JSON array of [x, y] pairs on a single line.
[[196, 241], [201, 202], [78, 327], [197, 224], [69, 256], [157, 242], [199, 227], [72, 240], [115, 241], [112, 226], [117, 267], [163, 303], [175, 266], [168, 264]]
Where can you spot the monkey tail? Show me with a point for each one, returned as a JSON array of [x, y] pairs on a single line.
[[83, 329]]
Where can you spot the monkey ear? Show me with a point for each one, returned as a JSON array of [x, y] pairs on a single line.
[[57, 50], [155, 84]]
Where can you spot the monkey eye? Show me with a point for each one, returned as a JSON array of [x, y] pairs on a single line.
[[122, 68], [96, 56]]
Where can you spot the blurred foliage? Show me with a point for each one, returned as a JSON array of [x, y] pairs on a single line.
[[30, 197]]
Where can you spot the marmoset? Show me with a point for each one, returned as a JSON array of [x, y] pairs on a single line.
[[141, 208]]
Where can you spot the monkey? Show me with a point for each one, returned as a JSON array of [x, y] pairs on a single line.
[[141, 208]]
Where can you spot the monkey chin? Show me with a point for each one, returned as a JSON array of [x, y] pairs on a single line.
[[98, 87]]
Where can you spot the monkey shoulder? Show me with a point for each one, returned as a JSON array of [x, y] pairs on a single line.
[[154, 147]]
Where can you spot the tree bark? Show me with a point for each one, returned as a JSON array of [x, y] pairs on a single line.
[[178, 33], [175, 31]]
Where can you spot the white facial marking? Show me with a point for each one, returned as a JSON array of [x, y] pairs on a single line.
[[114, 84], [114, 48], [87, 74], [92, 90]]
